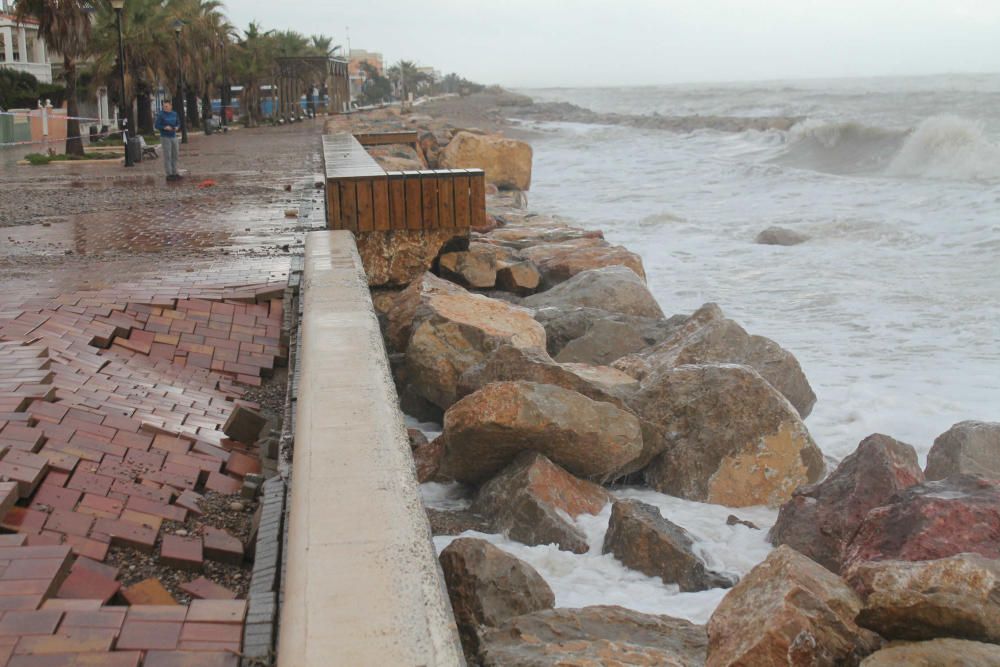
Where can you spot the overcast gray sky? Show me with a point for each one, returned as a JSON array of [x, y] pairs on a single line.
[[635, 42]]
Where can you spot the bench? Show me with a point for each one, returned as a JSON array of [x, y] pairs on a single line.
[[361, 196], [387, 138]]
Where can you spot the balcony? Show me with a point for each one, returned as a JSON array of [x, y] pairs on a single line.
[[41, 71]]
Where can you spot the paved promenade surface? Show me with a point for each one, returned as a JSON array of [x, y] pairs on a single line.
[[133, 316]]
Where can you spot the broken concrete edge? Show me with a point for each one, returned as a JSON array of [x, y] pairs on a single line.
[[362, 584]]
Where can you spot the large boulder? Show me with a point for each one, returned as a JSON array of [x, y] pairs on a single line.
[[457, 331], [536, 230], [936, 653], [521, 278], [967, 447], [957, 596], [484, 431], [643, 540], [530, 500], [959, 514], [720, 433], [470, 268], [602, 635], [507, 162], [398, 257], [487, 586], [788, 611], [820, 519], [614, 288], [410, 303], [508, 363], [561, 261], [708, 337], [780, 236], [606, 336]]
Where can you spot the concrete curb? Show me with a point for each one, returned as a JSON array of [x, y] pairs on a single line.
[[362, 585]]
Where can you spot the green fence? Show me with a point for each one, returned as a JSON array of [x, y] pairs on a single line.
[[14, 129]]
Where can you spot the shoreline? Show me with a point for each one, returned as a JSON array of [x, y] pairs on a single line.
[[451, 356]]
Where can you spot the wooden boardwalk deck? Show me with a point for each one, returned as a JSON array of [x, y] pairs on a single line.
[[361, 196]]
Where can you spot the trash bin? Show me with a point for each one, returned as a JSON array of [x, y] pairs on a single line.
[[134, 149]]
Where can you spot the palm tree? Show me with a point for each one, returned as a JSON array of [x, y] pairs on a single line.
[[253, 64], [64, 25], [406, 77]]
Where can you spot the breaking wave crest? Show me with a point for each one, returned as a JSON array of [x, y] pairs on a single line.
[[942, 147]]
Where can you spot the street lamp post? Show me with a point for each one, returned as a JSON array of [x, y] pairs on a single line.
[[118, 6], [178, 24], [225, 84]]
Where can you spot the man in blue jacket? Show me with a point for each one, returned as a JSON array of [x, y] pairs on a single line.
[[167, 122]]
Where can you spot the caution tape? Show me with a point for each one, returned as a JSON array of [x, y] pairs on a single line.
[[60, 140]]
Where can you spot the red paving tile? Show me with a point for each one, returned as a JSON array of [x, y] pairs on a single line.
[[41, 622], [217, 611], [85, 584], [148, 635], [205, 589], [148, 591], [221, 546], [182, 552], [125, 533], [223, 484]]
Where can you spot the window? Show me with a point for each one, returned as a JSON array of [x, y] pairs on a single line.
[[3, 46], [29, 47]]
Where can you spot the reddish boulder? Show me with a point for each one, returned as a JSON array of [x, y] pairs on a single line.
[[788, 612], [960, 514], [427, 459], [819, 519]]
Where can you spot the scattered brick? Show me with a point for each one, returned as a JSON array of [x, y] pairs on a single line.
[[148, 635], [221, 546], [217, 611], [182, 552], [206, 589], [86, 584], [244, 424], [223, 484], [148, 591]]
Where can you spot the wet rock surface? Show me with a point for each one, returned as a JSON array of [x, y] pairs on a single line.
[[820, 519], [507, 162], [956, 597], [643, 540], [722, 434], [936, 653], [780, 236], [615, 288], [602, 635], [789, 611], [487, 586], [531, 499], [708, 337], [967, 447], [960, 514], [486, 430]]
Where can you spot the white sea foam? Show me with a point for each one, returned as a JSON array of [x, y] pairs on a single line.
[[948, 147], [579, 580]]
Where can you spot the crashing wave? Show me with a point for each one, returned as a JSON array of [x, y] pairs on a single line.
[[943, 147]]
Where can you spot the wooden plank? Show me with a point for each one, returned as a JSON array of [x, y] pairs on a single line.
[[463, 208], [333, 213], [397, 200], [477, 196], [414, 200], [366, 209], [384, 138], [380, 203], [428, 192], [446, 198], [349, 205]]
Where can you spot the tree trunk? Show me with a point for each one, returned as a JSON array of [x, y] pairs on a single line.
[[192, 108], [145, 112], [206, 104], [74, 142]]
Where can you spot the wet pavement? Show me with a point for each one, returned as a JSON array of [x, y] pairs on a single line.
[[134, 316]]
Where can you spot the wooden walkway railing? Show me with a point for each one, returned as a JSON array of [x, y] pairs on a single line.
[[361, 196]]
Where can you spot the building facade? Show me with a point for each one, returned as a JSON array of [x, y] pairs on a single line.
[[22, 50], [357, 74]]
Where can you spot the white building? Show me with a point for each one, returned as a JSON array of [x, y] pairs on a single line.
[[22, 50]]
